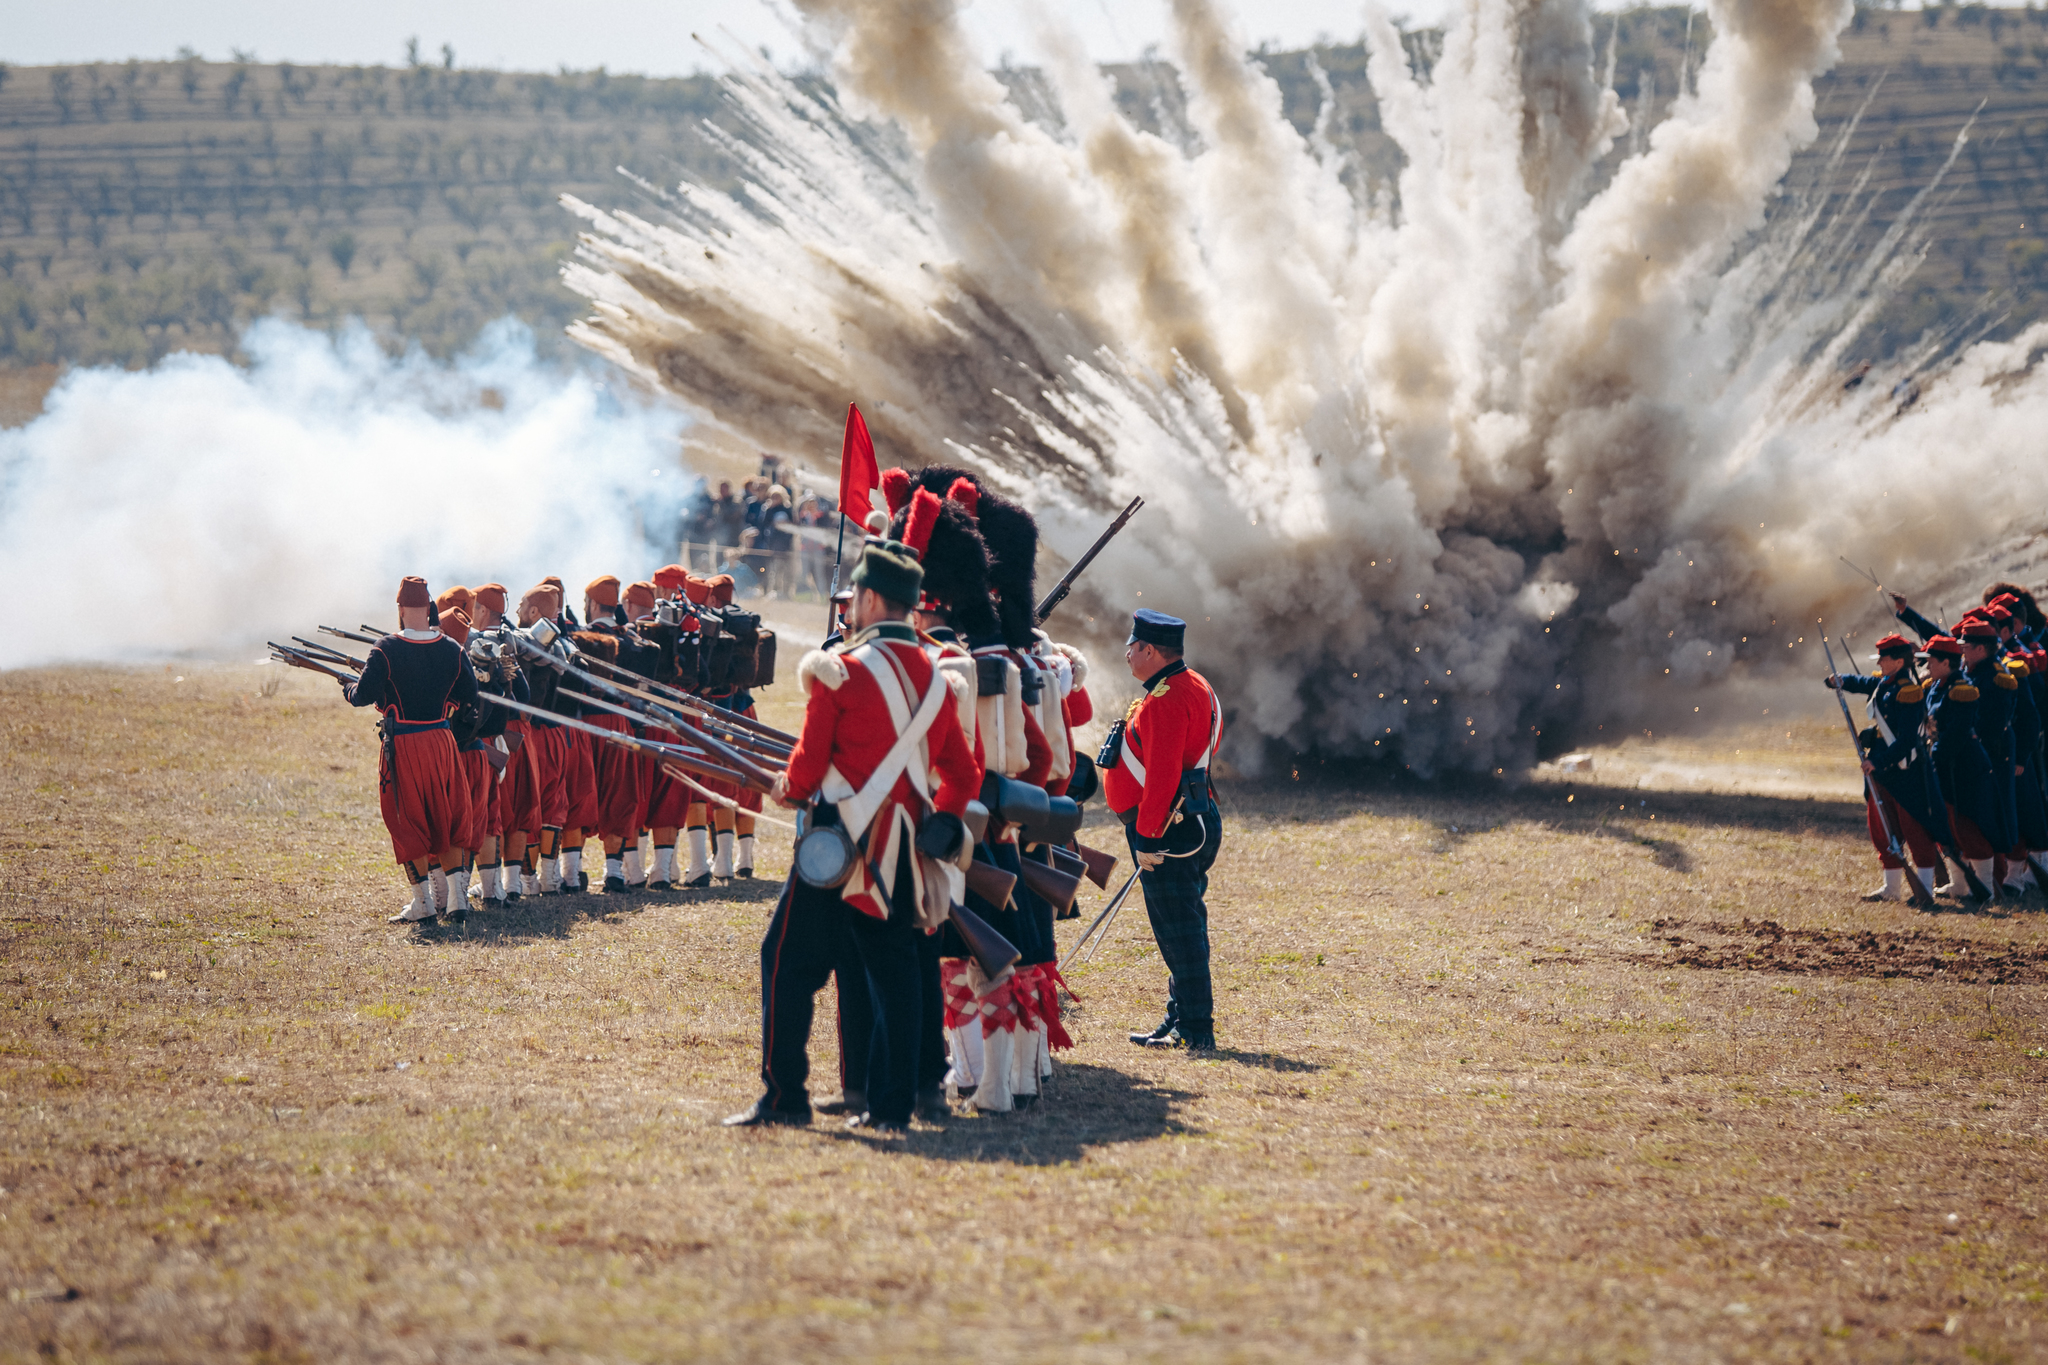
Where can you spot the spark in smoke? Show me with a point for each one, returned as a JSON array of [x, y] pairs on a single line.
[[1466, 471]]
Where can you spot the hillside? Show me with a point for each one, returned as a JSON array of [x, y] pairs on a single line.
[[153, 206]]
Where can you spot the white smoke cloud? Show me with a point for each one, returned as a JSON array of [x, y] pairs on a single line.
[[1500, 461], [198, 506]]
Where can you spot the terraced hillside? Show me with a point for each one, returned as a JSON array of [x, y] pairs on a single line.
[[152, 206]]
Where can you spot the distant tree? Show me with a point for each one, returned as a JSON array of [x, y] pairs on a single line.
[[342, 248], [60, 92], [412, 51], [447, 56], [188, 74]]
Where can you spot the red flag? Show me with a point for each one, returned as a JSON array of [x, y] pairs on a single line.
[[857, 472]]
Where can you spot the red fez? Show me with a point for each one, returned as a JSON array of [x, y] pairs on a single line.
[[1998, 616], [669, 577], [1978, 633], [492, 595], [412, 592], [2006, 600], [1944, 645], [640, 596], [604, 591], [457, 598], [1895, 643], [697, 589], [721, 590], [455, 624]]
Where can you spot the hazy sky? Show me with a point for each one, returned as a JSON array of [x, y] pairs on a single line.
[[625, 35]]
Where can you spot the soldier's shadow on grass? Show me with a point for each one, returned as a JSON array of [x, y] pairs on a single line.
[[1086, 1106], [556, 917]]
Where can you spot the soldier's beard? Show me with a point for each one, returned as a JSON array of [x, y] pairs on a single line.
[[1449, 483]]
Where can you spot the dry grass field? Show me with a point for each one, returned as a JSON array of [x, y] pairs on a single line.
[[1570, 1071]]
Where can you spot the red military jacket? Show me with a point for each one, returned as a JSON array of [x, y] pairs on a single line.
[[848, 730], [1170, 729]]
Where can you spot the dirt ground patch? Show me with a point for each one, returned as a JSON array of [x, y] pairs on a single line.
[[1767, 946], [1470, 1103]]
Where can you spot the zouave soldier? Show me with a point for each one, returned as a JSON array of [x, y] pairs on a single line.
[[414, 678], [1907, 798], [1155, 774]]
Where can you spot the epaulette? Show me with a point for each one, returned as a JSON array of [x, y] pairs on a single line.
[[1963, 692], [2017, 667], [1914, 694], [1161, 690], [2005, 681]]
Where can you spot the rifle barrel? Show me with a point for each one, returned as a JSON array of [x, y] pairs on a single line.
[[1060, 589], [350, 635]]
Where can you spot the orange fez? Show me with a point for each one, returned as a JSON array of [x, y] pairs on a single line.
[[412, 592]]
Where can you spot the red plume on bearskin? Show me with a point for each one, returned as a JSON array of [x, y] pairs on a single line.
[[896, 488], [1011, 534], [966, 494], [955, 563], [917, 527]]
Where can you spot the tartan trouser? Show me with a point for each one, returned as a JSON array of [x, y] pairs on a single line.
[[1180, 925]]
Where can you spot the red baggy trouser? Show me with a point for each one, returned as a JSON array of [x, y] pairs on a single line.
[[1905, 826], [668, 800], [549, 751], [622, 782], [519, 796], [579, 780], [483, 799], [423, 792], [1969, 839]]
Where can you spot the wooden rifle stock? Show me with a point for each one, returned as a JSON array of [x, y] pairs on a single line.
[[698, 705], [285, 654], [1100, 866], [990, 882], [1060, 589], [1050, 884], [995, 953], [334, 656]]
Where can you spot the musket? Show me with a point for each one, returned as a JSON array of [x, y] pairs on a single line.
[[1049, 884], [732, 757], [1099, 864], [991, 883], [1061, 588], [320, 651], [669, 753], [990, 949], [706, 714], [1923, 896], [625, 711], [697, 704], [351, 635], [1103, 922], [285, 654]]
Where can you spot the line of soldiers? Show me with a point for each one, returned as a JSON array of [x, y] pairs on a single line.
[[939, 695], [1955, 758], [516, 797]]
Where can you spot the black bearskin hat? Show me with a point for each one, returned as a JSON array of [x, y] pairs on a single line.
[[955, 568], [1011, 535]]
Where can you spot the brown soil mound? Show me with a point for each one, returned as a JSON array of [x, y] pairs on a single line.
[[1767, 946]]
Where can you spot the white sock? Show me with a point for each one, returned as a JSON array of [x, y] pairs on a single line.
[[721, 861], [746, 853], [631, 862], [613, 867], [458, 889], [1894, 883], [421, 906], [572, 867], [1982, 867], [665, 863], [2019, 876], [1925, 876], [487, 880], [529, 885], [700, 853], [439, 879], [550, 874]]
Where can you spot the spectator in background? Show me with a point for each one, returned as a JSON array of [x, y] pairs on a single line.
[[777, 521], [811, 557], [728, 518]]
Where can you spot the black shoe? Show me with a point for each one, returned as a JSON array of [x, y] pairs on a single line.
[[511, 898], [1195, 1037], [1023, 1102], [868, 1123], [851, 1102], [759, 1115], [745, 874], [1156, 1036], [659, 886], [697, 883], [459, 915], [615, 886], [931, 1105]]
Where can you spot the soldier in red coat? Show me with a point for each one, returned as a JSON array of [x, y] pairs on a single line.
[[881, 749], [415, 678], [1155, 776]]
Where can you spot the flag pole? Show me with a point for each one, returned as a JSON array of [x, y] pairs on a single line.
[[857, 480], [837, 551]]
